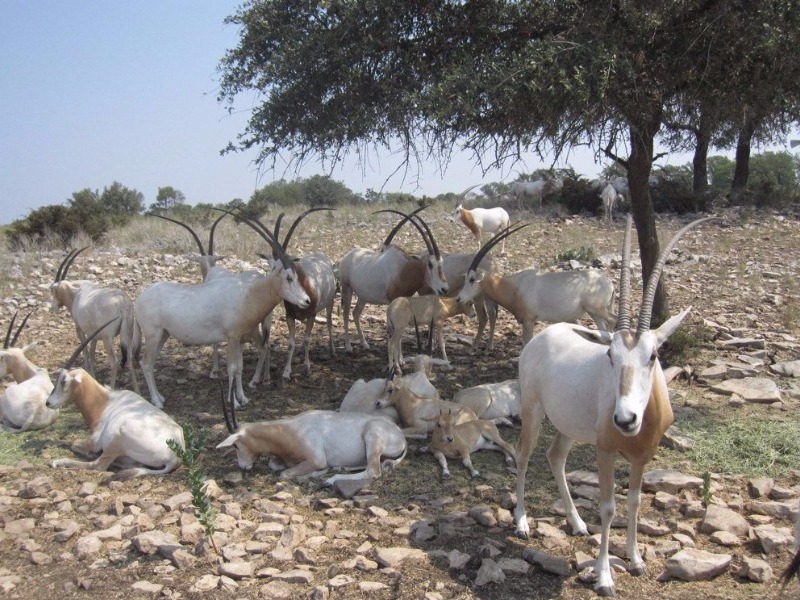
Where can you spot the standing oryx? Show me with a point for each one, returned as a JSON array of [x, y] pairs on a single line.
[[207, 261], [316, 275], [220, 310], [533, 296], [601, 388], [91, 304], [380, 277]]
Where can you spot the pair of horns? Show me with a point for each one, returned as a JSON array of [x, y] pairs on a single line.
[[646, 308], [71, 361], [463, 195], [192, 232], [63, 268], [276, 232], [496, 239], [419, 223], [266, 235], [9, 341]]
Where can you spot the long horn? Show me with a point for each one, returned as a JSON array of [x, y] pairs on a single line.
[[186, 227], [84, 343], [265, 233], [276, 232], [497, 238], [397, 227], [624, 312], [646, 309], [228, 412], [211, 234], [466, 191], [411, 219], [19, 330], [297, 221], [61, 273], [7, 343], [430, 236]]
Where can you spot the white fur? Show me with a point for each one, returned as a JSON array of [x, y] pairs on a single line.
[[23, 405]]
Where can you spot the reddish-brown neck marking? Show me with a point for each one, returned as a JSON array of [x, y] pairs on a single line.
[[90, 397], [469, 221]]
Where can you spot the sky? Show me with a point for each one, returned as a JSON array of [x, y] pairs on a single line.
[[95, 92]]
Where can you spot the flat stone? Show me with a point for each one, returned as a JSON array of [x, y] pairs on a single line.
[[787, 369], [758, 487], [20, 526], [457, 559], [483, 515], [752, 389], [662, 480], [295, 576], [755, 569], [489, 572], [740, 342], [147, 587], [719, 518], [772, 537], [692, 564], [236, 569], [548, 563], [777, 510], [392, 557]]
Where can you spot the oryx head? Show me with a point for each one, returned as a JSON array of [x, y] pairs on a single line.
[[633, 354], [9, 343], [57, 288], [473, 276], [207, 258]]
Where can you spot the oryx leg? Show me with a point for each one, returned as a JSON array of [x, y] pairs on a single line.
[[108, 346], [532, 414], [360, 304], [214, 374], [602, 568], [307, 345], [347, 296], [443, 463], [329, 321], [287, 370], [557, 458], [235, 359], [263, 364], [491, 440], [152, 348], [637, 566], [113, 451]]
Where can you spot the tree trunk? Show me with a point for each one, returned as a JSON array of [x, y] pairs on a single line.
[[640, 164], [742, 170]]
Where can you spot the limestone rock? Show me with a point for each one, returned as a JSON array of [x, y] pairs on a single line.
[[719, 518], [752, 389], [661, 480], [692, 564], [489, 572]]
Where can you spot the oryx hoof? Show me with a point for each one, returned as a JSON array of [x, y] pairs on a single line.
[[523, 535], [638, 570], [446, 475], [606, 591], [476, 474]]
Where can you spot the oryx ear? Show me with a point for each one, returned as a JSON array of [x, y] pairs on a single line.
[[669, 326], [230, 440], [29, 348], [596, 337]]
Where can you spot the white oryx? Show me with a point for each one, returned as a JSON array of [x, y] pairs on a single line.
[[23, 405], [207, 261], [316, 275], [531, 295], [315, 441], [495, 402], [480, 220], [220, 310], [380, 277], [610, 198], [601, 388], [127, 431], [90, 304]]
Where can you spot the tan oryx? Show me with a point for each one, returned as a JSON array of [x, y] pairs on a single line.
[[90, 304], [127, 431], [23, 405], [316, 275], [219, 310], [601, 388], [531, 295], [315, 441], [480, 220], [380, 277]]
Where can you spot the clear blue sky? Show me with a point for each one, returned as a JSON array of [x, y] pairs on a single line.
[[98, 91]]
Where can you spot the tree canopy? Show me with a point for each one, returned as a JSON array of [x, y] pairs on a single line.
[[502, 77]]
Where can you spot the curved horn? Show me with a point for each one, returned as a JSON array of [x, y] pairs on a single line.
[[498, 237], [84, 343], [276, 232], [229, 412], [265, 233], [466, 191], [430, 236], [297, 221], [7, 343], [624, 312], [186, 227], [411, 219], [68, 263], [19, 330], [72, 254], [646, 309], [397, 227], [211, 235]]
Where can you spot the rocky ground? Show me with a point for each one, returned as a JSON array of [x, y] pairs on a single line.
[[411, 534]]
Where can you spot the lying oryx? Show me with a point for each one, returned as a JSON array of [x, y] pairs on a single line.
[[315, 441], [22, 407], [127, 431]]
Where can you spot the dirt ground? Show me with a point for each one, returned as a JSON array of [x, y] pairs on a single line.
[[738, 266]]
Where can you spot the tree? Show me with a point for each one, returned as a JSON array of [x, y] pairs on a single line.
[[168, 197], [121, 203], [496, 77]]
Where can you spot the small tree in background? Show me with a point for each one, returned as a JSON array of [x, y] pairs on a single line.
[[168, 197]]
